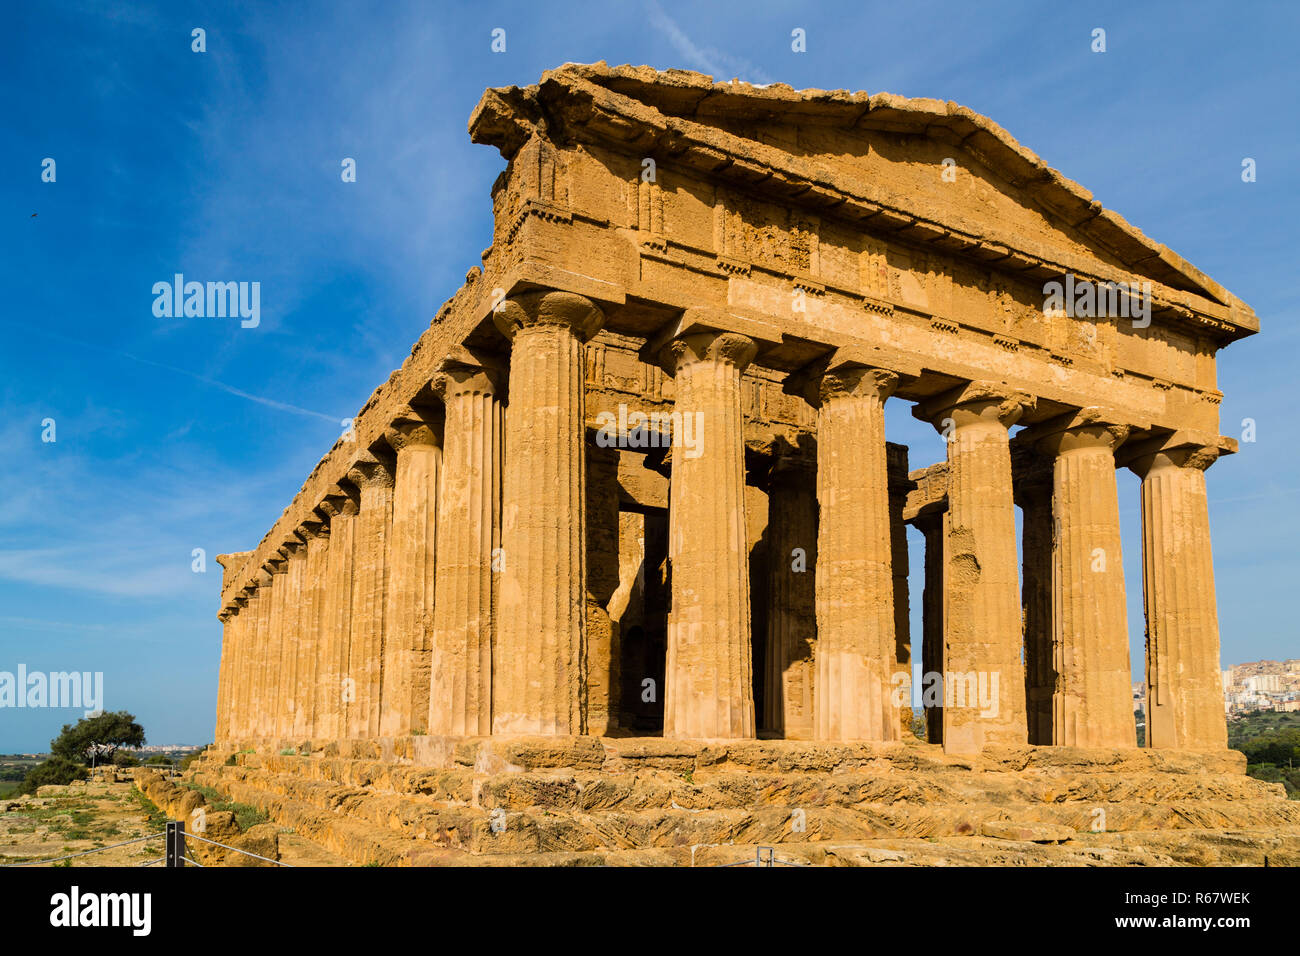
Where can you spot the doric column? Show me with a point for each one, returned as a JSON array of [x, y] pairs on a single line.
[[984, 683], [901, 675], [539, 661], [374, 479], [408, 654], [241, 690], [1093, 702], [791, 612], [228, 627], [460, 701], [856, 651], [259, 658], [334, 691], [1032, 479], [316, 534], [932, 596], [231, 625], [272, 691], [708, 690], [295, 554], [1184, 683], [233, 666]]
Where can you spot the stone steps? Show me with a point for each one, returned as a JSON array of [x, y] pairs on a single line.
[[394, 814], [652, 789]]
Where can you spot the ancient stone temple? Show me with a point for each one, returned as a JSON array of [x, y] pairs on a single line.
[[634, 482]]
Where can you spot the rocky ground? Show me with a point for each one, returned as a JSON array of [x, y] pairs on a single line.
[[61, 821]]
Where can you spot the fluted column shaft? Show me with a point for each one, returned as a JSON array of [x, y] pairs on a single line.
[[460, 702], [856, 650], [229, 626], [984, 682], [708, 690], [334, 690], [1035, 500], [408, 653], [310, 628], [900, 678], [293, 614], [250, 692], [242, 622], [1184, 683], [539, 663], [369, 595], [1093, 702], [236, 693], [791, 614], [272, 690], [932, 597]]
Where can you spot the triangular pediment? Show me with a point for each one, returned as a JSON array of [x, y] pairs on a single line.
[[878, 159]]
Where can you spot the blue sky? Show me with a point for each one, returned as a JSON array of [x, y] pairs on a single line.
[[176, 434]]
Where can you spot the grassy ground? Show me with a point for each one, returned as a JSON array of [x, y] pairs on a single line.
[[70, 820], [245, 815]]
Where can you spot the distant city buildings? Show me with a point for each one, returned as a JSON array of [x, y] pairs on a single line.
[[1262, 686], [1249, 688]]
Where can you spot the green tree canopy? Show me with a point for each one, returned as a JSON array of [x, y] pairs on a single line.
[[56, 770], [97, 737]]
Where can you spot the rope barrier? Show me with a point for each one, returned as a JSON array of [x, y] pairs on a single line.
[[73, 856], [195, 836], [760, 860]]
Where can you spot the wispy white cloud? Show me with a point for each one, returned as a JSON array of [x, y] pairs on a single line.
[[720, 65], [229, 389]]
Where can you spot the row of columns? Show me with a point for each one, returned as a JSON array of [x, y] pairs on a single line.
[[443, 589], [1073, 685]]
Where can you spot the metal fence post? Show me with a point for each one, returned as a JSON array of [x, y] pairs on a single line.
[[175, 843]]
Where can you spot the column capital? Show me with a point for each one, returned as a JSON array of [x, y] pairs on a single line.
[[1084, 429], [371, 472], [455, 379], [275, 566], [927, 522], [292, 545], [234, 560], [976, 401], [1178, 450], [310, 531], [413, 430], [548, 308], [713, 346], [851, 380], [342, 500]]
